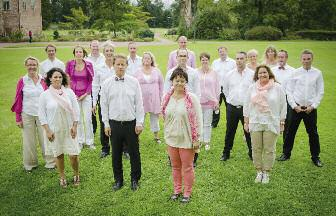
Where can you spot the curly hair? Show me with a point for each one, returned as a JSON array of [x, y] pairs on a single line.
[[179, 72], [65, 79]]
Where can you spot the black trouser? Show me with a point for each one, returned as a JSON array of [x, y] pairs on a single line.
[[104, 140], [125, 132], [310, 121], [94, 120], [216, 117], [233, 116], [286, 122]]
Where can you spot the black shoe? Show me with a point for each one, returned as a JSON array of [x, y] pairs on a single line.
[[225, 157], [214, 126], [126, 155], [194, 164], [185, 200], [250, 155], [175, 197], [117, 186], [317, 163], [283, 157], [103, 154], [134, 185]]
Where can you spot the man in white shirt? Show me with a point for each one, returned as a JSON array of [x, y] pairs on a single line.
[[222, 66], [193, 80], [95, 57], [51, 61], [172, 60], [235, 86], [304, 93], [123, 116], [133, 60]]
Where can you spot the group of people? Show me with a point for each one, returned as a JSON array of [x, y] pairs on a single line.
[[58, 102]]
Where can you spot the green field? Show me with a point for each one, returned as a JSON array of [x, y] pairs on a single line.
[[297, 187]]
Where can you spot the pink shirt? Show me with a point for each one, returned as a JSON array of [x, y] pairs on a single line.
[[210, 88], [172, 61], [152, 89]]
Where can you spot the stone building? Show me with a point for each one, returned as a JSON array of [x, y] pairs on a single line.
[[21, 15]]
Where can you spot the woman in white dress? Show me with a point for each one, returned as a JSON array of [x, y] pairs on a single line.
[[59, 114]]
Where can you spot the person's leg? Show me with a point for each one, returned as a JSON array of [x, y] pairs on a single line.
[[310, 121], [286, 122], [29, 142], [246, 134], [186, 156], [132, 141], [49, 159], [207, 119], [116, 143], [154, 125], [94, 120], [257, 144], [232, 119], [176, 169], [216, 116], [294, 122], [80, 126], [74, 160], [269, 141], [60, 168], [104, 140], [88, 128]]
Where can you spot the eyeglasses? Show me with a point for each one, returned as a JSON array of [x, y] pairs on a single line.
[[182, 56]]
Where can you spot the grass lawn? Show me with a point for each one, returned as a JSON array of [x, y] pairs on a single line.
[[221, 188]]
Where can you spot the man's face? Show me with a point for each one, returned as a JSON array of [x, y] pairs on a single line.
[[222, 53], [120, 66], [132, 49], [282, 58], [182, 43], [182, 57], [306, 60], [51, 52], [240, 60], [94, 47]]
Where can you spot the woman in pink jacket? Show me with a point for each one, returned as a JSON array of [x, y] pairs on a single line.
[[28, 91], [151, 82]]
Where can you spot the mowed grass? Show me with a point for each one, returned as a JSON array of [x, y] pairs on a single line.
[[221, 188]]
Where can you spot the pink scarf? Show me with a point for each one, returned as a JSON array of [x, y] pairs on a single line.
[[260, 99], [191, 112], [62, 99]]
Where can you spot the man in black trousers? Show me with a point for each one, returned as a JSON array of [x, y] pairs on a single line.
[[304, 94]]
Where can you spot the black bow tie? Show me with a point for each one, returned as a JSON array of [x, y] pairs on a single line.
[[119, 79], [282, 68]]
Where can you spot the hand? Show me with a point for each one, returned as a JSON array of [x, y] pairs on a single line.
[[50, 135], [19, 124], [138, 129], [298, 109], [108, 131], [309, 109], [82, 97], [282, 128], [94, 110], [246, 127], [73, 132]]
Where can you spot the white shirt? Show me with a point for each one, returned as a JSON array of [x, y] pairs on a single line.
[[96, 60], [305, 88], [102, 72], [223, 67], [193, 83], [47, 64], [48, 107], [283, 76], [133, 65], [235, 86], [122, 100], [268, 121], [31, 94]]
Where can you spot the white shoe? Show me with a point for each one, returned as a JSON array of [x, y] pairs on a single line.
[[207, 147], [259, 177], [92, 147], [265, 178]]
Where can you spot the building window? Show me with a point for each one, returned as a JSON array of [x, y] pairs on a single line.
[[5, 5], [24, 5], [32, 4]]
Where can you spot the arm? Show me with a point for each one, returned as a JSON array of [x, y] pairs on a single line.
[[95, 87], [75, 107], [42, 114], [283, 109], [192, 59], [319, 91], [197, 85], [167, 83], [170, 64], [139, 110], [246, 109], [17, 105], [225, 83], [160, 84], [104, 106]]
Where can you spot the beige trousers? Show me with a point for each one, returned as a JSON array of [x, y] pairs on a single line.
[[263, 149], [32, 130]]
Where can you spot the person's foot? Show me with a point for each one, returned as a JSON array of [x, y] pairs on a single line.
[[157, 140], [214, 126], [265, 178], [134, 185], [63, 183], [317, 163], [103, 154], [207, 147], [283, 157], [194, 164], [225, 157], [126, 155], [250, 155], [185, 199], [92, 147], [175, 197], [259, 177], [117, 185], [76, 180]]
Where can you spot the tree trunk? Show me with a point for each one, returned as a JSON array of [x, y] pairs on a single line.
[[186, 12]]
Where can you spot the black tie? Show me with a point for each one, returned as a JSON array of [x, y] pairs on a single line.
[[119, 79], [282, 68]]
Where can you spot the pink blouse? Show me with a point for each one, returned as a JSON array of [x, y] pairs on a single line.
[[210, 88]]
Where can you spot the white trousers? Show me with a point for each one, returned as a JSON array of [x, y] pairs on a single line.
[[207, 119], [154, 122], [85, 128], [31, 132]]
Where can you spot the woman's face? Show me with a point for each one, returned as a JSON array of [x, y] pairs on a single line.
[[109, 52], [179, 83], [263, 75], [146, 59], [31, 66], [204, 61], [120, 66], [56, 80], [252, 57], [79, 53], [270, 53]]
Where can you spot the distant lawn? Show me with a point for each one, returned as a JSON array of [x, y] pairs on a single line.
[[296, 187]]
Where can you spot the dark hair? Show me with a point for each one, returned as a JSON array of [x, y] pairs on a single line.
[[204, 54], [242, 52], [85, 54], [270, 73], [119, 56], [179, 72], [50, 45], [284, 51], [65, 81], [307, 51]]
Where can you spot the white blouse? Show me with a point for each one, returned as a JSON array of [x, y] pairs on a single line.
[[269, 121], [102, 73], [31, 94]]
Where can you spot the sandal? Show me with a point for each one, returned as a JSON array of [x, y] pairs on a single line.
[[157, 140], [175, 197], [76, 180], [63, 183]]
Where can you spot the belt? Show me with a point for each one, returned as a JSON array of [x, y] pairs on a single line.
[[122, 122], [238, 106]]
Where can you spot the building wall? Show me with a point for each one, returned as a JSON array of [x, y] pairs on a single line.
[[10, 17]]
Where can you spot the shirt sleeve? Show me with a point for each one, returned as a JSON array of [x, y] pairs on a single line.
[[42, 112], [170, 64], [192, 60], [167, 83], [319, 91], [247, 101], [75, 106], [197, 85], [160, 85], [104, 104], [95, 87], [225, 83], [139, 109], [289, 91], [198, 111], [90, 79], [283, 104]]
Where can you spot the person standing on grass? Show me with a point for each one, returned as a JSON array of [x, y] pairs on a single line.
[[270, 56], [51, 61], [210, 91], [172, 60], [81, 75], [123, 116], [283, 73], [252, 57], [134, 61], [235, 86], [102, 73], [28, 90], [304, 94], [223, 65], [182, 115], [59, 114], [264, 117], [151, 83]]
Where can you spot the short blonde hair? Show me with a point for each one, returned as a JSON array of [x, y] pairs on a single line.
[[252, 51], [108, 43], [31, 58]]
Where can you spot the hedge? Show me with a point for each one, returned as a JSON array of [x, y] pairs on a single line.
[[263, 33], [317, 34], [230, 34]]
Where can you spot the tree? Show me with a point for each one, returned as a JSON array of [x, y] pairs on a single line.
[[77, 18]]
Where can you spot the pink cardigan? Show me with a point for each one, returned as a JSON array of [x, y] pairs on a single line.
[[152, 90], [17, 105]]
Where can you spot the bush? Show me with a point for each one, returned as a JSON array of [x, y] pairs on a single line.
[[317, 34], [263, 33], [56, 35], [145, 33], [230, 34], [172, 31]]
